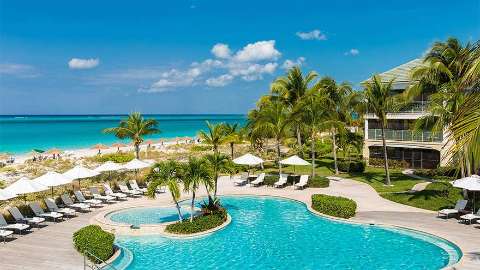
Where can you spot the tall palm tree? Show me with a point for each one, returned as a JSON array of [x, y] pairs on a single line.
[[194, 173], [234, 135], [218, 163], [380, 100], [135, 127], [290, 89], [215, 136], [165, 174]]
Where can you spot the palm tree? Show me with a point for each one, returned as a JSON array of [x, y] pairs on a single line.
[[379, 100], [218, 163], [165, 173], [234, 135], [290, 89], [194, 173], [135, 127], [215, 136]]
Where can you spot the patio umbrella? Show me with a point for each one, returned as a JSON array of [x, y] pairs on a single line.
[[99, 147], [471, 183], [108, 167], [118, 145], [24, 186], [249, 160], [294, 161], [136, 164], [52, 179], [80, 172], [54, 151], [6, 195], [148, 142]]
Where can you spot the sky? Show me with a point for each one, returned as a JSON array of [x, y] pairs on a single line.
[[203, 56]]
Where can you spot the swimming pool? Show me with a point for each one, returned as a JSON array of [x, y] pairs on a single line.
[[274, 233], [151, 215]]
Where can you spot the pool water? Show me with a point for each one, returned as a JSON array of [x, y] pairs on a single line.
[[274, 233], [153, 215]]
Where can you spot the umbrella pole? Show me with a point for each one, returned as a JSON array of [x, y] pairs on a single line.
[[52, 190]]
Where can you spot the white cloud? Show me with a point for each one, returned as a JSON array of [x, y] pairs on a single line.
[[18, 70], [288, 64], [352, 52], [258, 51], [220, 81], [221, 50], [252, 72], [77, 63], [173, 79], [312, 35]]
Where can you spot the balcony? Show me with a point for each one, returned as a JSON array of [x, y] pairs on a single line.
[[415, 106], [405, 135]]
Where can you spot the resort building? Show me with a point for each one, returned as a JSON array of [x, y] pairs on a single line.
[[419, 149]]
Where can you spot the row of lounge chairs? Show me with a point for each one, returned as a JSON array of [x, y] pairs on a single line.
[[457, 210], [69, 209], [282, 181]]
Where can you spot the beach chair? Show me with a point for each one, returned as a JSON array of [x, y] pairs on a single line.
[[461, 204], [17, 227], [96, 195], [282, 181], [134, 186], [53, 207], [470, 217], [257, 182], [4, 234], [302, 183], [68, 202], [91, 202], [131, 193], [109, 192], [240, 180], [17, 215], [38, 211]]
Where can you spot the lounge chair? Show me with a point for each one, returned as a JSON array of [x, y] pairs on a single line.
[[109, 192], [17, 215], [4, 234], [52, 206], [240, 180], [282, 181], [96, 195], [38, 211], [67, 200], [91, 202], [257, 182], [129, 192], [134, 186], [470, 217], [302, 183], [17, 227], [461, 204]]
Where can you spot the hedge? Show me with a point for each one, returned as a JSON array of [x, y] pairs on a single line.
[[201, 223], [318, 182], [334, 206], [392, 163], [115, 157], [446, 173], [351, 166], [96, 241]]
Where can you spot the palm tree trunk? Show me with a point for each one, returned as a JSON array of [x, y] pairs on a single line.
[[313, 155], [334, 151], [231, 148], [180, 217], [216, 186], [208, 194], [299, 140], [192, 206], [387, 173], [137, 150], [278, 149]]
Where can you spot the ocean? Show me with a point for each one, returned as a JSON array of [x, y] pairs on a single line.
[[21, 134]]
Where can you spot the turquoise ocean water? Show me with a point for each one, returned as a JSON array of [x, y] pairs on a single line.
[[21, 134]]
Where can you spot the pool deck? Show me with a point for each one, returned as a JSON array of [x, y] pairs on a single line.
[[51, 247]]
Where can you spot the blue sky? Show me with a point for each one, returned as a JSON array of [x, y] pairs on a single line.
[[203, 56]]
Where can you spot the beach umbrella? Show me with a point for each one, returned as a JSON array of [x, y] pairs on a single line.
[[294, 161], [148, 142], [6, 195], [118, 145], [99, 147], [54, 151], [136, 164], [249, 160], [471, 183], [52, 179], [79, 172], [25, 186], [109, 166]]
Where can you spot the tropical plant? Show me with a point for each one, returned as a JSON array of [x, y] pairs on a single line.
[[135, 127], [215, 136], [165, 174], [194, 173], [218, 163], [234, 135]]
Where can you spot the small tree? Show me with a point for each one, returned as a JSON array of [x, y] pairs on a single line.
[[215, 136], [194, 173]]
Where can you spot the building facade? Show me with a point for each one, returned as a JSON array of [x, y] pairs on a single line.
[[419, 149]]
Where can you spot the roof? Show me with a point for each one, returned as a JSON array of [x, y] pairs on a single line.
[[400, 74]]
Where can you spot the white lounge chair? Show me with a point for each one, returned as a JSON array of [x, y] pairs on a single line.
[[38, 211], [470, 217], [53, 207], [67, 200], [282, 181], [302, 183], [17, 227], [109, 192], [240, 180], [4, 234], [257, 182], [134, 186], [20, 218], [91, 202], [96, 195], [461, 204], [131, 193]]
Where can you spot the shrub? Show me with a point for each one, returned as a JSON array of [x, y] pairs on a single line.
[[115, 157], [394, 164], [351, 166], [200, 148], [96, 241], [446, 173], [200, 223], [334, 206], [318, 182], [269, 180]]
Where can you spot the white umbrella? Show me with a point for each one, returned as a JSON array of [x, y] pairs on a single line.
[[79, 172], [24, 186], [136, 164], [52, 179], [248, 159], [6, 195], [295, 161], [471, 183], [108, 167]]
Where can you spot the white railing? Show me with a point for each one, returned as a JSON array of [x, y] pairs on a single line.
[[405, 135]]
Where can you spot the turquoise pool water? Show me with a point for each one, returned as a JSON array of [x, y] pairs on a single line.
[[273, 233], [154, 215]]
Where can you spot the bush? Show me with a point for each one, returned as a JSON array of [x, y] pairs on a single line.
[[334, 206], [393, 164], [115, 157], [446, 173], [96, 241], [351, 166], [200, 223], [269, 180], [200, 148], [318, 182]]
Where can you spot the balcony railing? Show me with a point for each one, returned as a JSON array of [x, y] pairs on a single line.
[[415, 106], [405, 135]]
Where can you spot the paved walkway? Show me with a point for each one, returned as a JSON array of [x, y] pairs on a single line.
[[51, 247]]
